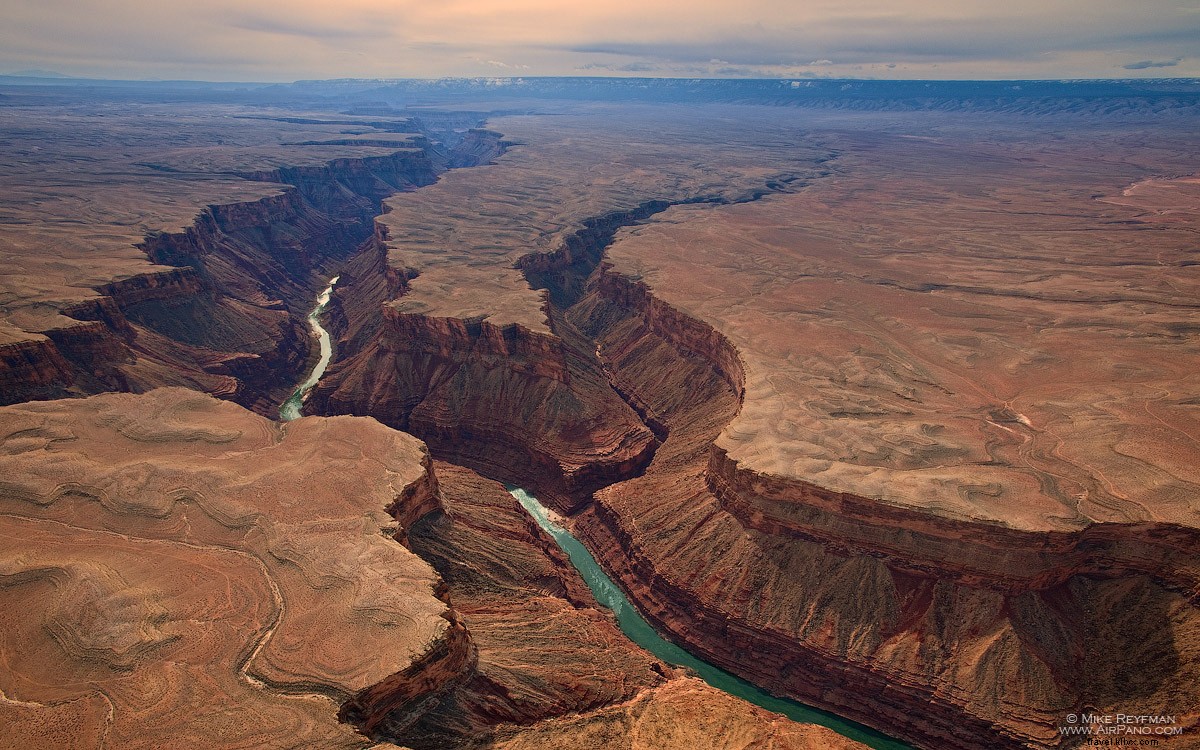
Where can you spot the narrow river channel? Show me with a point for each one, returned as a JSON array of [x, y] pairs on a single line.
[[609, 595], [290, 409], [642, 633]]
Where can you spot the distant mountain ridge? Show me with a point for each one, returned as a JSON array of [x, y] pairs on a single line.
[[1090, 97]]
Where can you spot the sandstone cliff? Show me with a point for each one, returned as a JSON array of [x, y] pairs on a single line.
[[835, 599], [846, 604]]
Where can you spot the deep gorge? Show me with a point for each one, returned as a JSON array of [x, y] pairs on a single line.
[[612, 419]]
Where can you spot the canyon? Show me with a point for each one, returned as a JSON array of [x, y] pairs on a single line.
[[888, 410]]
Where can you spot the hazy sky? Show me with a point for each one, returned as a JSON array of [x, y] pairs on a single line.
[[284, 40]]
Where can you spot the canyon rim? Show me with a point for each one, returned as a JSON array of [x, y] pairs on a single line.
[[881, 397]]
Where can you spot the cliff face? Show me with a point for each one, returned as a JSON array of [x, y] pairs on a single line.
[[502, 399], [1002, 559], [478, 146], [514, 403], [522, 602], [223, 310], [840, 602]]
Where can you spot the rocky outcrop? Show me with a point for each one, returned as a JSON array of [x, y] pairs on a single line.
[[521, 602], [552, 665], [689, 337], [499, 398], [841, 601], [478, 146], [354, 188], [390, 706], [683, 714], [564, 271], [1001, 558], [147, 287]]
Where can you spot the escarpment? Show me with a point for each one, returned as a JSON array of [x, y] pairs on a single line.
[[514, 403], [453, 326], [259, 262], [1004, 559], [984, 593], [831, 615], [911, 440]]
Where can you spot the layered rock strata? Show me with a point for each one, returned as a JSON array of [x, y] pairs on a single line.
[[682, 714], [553, 669], [839, 622], [214, 297], [855, 578], [178, 570], [442, 335], [839, 413]]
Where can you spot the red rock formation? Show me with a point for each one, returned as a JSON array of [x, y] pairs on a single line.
[[502, 399], [867, 610], [918, 543], [548, 656], [229, 317], [478, 146], [30, 367]]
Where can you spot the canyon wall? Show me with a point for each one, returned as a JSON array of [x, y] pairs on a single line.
[[174, 545], [228, 317], [840, 602], [501, 399], [869, 610]]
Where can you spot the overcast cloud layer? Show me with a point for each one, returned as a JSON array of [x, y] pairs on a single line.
[[269, 40]]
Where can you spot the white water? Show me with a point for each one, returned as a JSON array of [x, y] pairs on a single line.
[[290, 409]]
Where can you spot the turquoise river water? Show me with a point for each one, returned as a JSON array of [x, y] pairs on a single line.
[[642, 633], [608, 594]]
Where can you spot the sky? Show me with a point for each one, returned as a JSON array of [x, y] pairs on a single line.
[[287, 40]]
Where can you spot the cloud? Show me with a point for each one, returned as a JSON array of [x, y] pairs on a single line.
[[311, 30], [500, 64], [1021, 32], [1144, 64], [289, 39]]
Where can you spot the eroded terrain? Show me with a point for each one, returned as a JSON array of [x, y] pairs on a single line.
[[177, 569], [147, 245], [930, 379], [893, 412]]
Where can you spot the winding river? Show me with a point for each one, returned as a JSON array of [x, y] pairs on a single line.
[[290, 409], [640, 632], [609, 595]]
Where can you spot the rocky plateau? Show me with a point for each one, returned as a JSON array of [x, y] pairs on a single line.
[[893, 412]]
